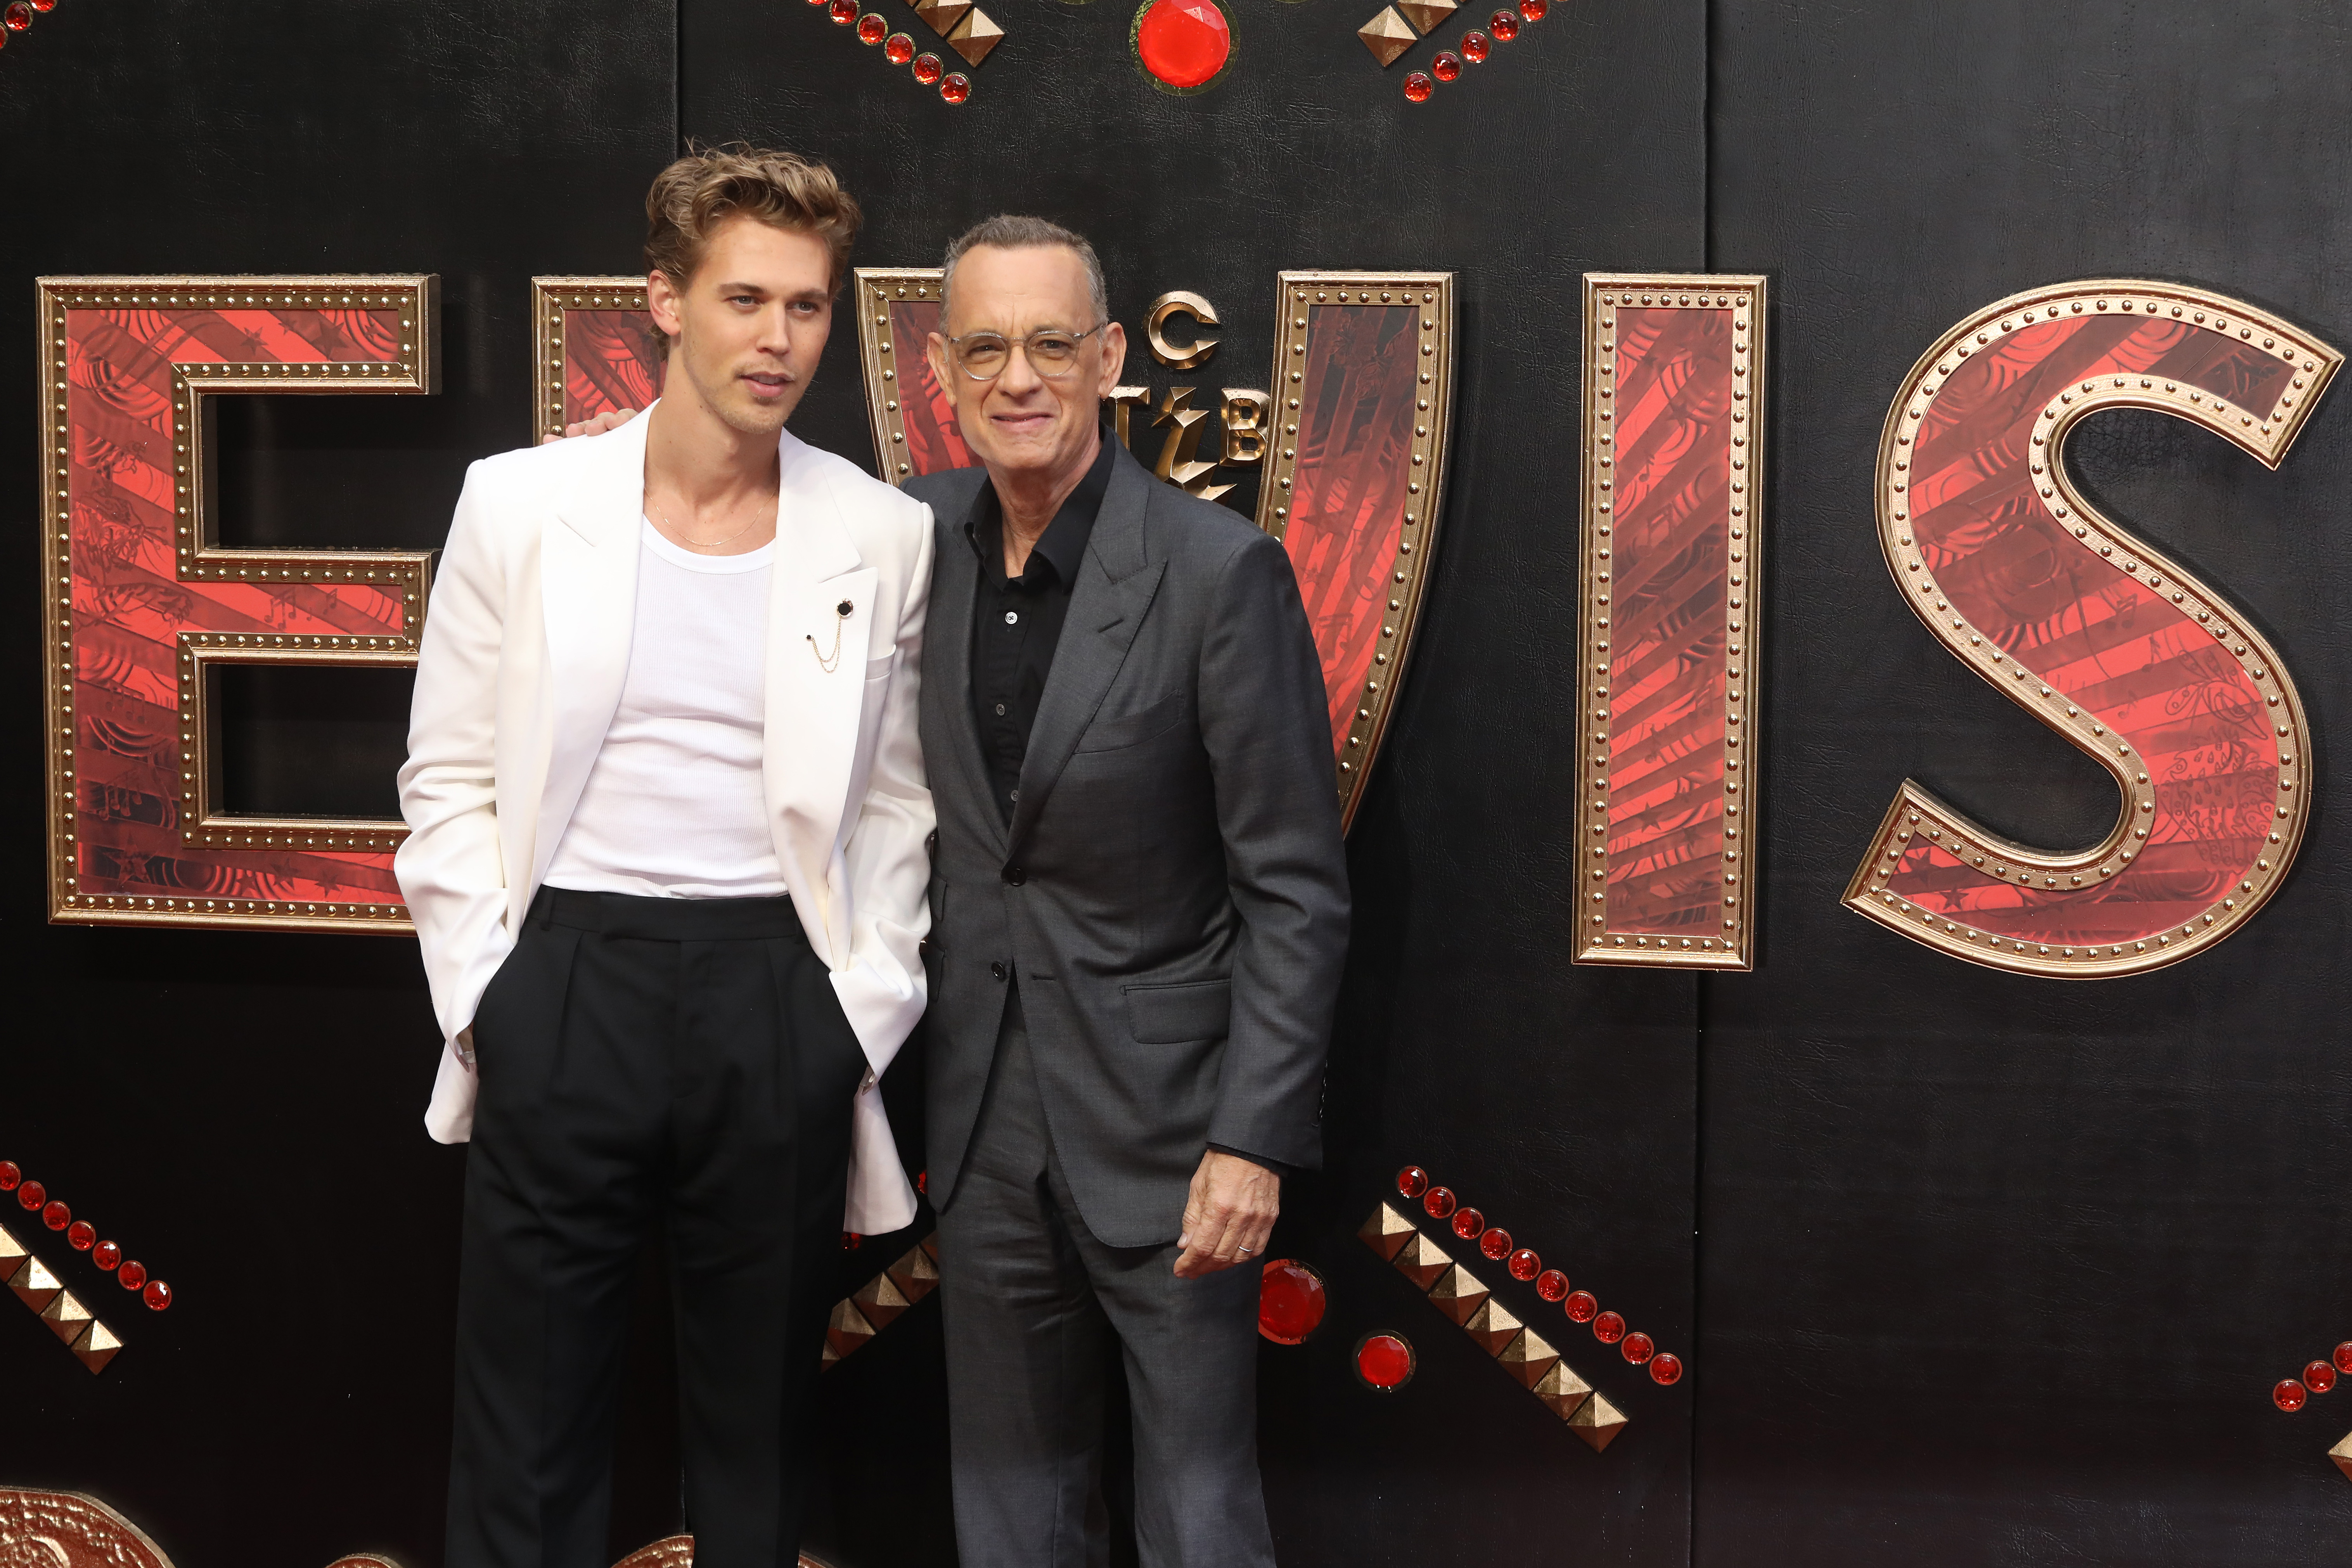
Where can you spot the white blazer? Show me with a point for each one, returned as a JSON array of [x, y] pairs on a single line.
[[519, 671]]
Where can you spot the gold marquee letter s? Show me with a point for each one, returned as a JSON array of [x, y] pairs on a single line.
[[2103, 639]]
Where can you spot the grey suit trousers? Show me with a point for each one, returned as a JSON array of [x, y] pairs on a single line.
[[1030, 1297]]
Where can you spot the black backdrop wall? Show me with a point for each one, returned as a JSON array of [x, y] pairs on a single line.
[[1968, 1269]]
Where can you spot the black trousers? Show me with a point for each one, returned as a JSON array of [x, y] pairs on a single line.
[[1033, 1302], [677, 1060]]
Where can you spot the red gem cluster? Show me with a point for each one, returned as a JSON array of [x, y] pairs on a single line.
[[1476, 45], [1470, 1224], [2292, 1393], [871, 28], [18, 15], [81, 1234]]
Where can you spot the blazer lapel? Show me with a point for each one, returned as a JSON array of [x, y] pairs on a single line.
[[1115, 588], [947, 654], [588, 596], [817, 678]]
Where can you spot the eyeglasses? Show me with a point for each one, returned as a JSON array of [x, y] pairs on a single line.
[[1052, 354]]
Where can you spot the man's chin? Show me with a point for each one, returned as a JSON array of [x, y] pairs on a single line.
[[748, 416]]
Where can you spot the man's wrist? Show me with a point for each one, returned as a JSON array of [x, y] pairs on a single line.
[[1274, 1166]]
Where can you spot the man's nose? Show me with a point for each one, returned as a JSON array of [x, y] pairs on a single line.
[[1019, 377], [776, 331]]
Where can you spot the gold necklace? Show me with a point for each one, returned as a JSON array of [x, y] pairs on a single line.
[[680, 534]]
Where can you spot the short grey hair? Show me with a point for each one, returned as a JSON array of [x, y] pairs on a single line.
[[1010, 231]]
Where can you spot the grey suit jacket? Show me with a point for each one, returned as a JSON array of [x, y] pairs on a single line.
[[1171, 893]]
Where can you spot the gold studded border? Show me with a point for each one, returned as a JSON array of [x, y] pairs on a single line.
[[200, 557], [551, 296], [1743, 298], [1916, 810], [1405, 580], [879, 357]]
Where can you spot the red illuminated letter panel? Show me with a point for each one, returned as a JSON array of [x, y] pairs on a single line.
[[2104, 641], [144, 604]]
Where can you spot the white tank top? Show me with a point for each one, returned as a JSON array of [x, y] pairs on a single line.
[[675, 806]]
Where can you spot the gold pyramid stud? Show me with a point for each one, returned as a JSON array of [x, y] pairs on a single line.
[[975, 36], [1386, 1232], [2342, 1455], [1421, 1261], [1562, 1390], [1387, 36], [846, 1328], [879, 1302], [97, 1346], [914, 1275], [67, 1317], [831, 1357], [943, 15], [1598, 1423], [1529, 1358], [930, 1246], [12, 1252], [1427, 14], [33, 1284], [1493, 1326], [1457, 1294]]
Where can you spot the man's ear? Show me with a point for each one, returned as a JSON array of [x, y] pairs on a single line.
[[1114, 344], [935, 349]]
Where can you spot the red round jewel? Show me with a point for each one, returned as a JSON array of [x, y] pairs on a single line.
[[82, 1237], [157, 1295], [1412, 1181], [1384, 1362], [131, 1275], [1290, 1301], [10, 1174], [1533, 10], [1416, 87], [2343, 1357], [105, 1255], [927, 69], [2319, 1376], [872, 28], [899, 48], [1525, 1264], [32, 1195], [956, 88], [1446, 65], [2289, 1394], [1552, 1285], [1475, 47], [1495, 1243], [1579, 1307], [1609, 1327], [1468, 1222], [45, 5], [816, 2], [1503, 24], [1184, 43], [849, 1241], [1439, 1202], [1667, 1367], [1638, 1347], [843, 12], [56, 1215], [20, 17]]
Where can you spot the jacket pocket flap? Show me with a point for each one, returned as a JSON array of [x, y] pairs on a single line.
[[1172, 1014]]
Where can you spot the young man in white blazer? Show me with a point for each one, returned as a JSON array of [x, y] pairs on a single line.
[[667, 865]]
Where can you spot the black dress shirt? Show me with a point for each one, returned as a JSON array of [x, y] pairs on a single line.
[[1017, 622]]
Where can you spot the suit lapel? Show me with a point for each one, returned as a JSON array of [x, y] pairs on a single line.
[[947, 653], [817, 677], [588, 595], [1115, 588]]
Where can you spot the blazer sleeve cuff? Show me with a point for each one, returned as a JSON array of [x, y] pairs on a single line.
[[881, 1012]]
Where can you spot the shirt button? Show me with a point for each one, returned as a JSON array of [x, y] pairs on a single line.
[[1000, 710], [1015, 875], [1011, 617], [996, 971]]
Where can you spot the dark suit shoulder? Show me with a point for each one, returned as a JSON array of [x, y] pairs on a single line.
[[949, 493], [1194, 534]]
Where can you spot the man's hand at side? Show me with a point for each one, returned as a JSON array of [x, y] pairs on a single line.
[[610, 419], [1229, 1215]]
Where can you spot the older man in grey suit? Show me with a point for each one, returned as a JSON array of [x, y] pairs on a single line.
[[1139, 911]]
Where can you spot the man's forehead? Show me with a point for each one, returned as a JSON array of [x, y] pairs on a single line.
[[1034, 280]]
